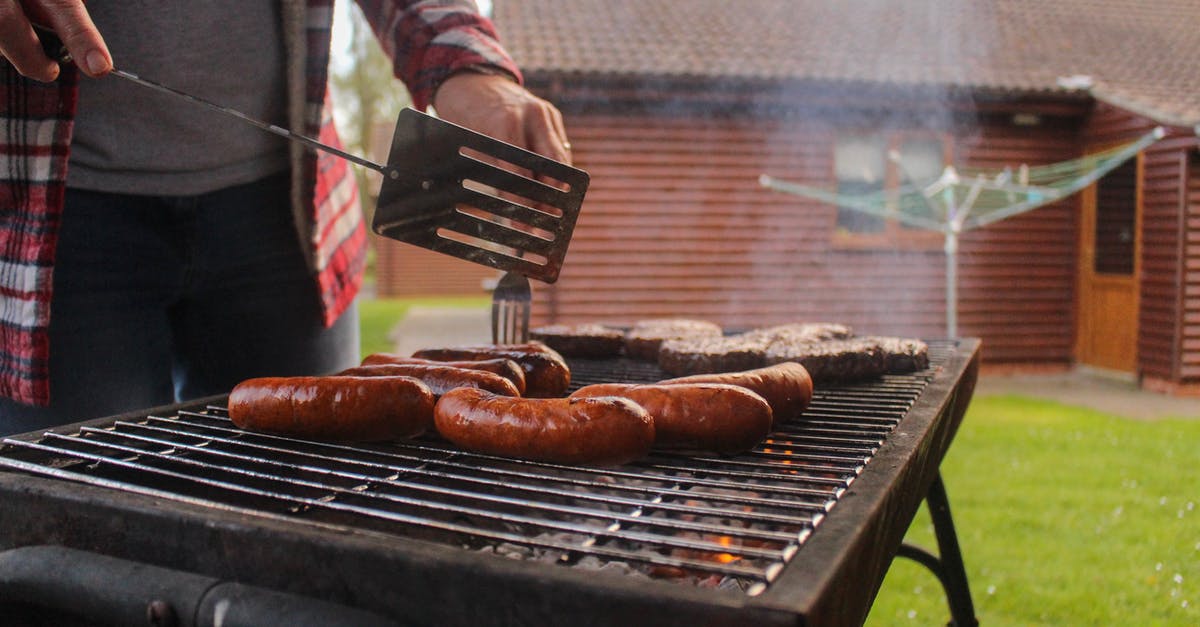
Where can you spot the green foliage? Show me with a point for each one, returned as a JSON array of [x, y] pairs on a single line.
[[1066, 516], [367, 98], [363, 85]]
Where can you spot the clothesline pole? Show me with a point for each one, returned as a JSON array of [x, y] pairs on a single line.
[[951, 248], [957, 214]]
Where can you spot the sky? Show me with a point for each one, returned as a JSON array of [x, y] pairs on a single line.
[[341, 33]]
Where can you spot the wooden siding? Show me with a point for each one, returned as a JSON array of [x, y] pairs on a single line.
[[1159, 347], [1018, 285], [407, 270], [1162, 351], [675, 224], [1189, 312]]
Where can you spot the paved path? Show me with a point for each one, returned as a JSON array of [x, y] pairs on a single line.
[[426, 327], [1083, 389]]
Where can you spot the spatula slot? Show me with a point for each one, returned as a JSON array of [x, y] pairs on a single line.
[[493, 247], [477, 198], [503, 234], [508, 212], [526, 171], [511, 185], [528, 204], [487, 216]]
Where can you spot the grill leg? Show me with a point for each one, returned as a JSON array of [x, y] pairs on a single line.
[[948, 568]]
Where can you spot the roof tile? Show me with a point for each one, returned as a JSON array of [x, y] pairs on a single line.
[[1146, 54]]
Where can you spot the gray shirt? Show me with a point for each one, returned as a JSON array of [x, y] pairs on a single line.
[[131, 139]]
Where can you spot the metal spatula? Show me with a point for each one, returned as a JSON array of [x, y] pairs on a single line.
[[453, 190], [485, 201], [464, 194], [458, 192]]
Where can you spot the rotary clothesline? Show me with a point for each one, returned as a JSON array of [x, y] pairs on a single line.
[[962, 199]]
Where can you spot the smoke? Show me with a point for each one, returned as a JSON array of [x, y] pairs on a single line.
[[730, 91], [887, 74]]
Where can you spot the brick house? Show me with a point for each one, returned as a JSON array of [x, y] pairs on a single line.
[[677, 107]]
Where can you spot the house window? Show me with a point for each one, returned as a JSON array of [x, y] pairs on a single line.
[[880, 164], [861, 167], [1116, 220]]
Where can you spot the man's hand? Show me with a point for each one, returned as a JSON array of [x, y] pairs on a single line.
[[68, 19], [495, 105]]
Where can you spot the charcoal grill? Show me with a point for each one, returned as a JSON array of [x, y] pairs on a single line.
[[800, 530]]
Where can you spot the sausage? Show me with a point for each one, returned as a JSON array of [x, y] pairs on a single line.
[[786, 386], [546, 372], [698, 416], [598, 431], [506, 368], [440, 378], [333, 407]]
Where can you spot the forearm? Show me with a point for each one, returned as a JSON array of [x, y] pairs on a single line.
[[429, 40]]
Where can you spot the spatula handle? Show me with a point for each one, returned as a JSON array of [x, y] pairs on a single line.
[[55, 49], [270, 128]]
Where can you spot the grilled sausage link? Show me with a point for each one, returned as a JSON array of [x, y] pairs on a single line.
[[597, 431], [546, 373], [786, 386], [333, 408], [697, 416], [440, 378], [506, 368]]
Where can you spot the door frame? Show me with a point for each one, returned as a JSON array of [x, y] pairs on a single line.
[[1085, 262]]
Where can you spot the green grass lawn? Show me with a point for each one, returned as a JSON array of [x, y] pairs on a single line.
[[1066, 516], [377, 316]]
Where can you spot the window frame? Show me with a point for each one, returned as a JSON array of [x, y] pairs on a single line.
[[894, 234]]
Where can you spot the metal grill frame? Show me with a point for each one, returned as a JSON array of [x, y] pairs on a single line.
[[832, 578]]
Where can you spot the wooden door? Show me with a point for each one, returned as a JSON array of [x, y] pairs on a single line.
[[1108, 270]]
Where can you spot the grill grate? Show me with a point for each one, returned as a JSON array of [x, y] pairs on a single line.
[[732, 522]]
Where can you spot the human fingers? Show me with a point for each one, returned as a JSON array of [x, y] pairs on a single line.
[[545, 133], [499, 107], [20, 45], [71, 23], [70, 20]]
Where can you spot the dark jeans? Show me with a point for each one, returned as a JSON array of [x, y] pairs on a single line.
[[160, 299]]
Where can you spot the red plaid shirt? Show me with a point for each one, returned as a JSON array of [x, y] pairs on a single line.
[[428, 41]]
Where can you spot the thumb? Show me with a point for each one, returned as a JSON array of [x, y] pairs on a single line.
[[70, 20]]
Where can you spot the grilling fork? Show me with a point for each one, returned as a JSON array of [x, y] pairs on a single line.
[[455, 191], [511, 305]]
